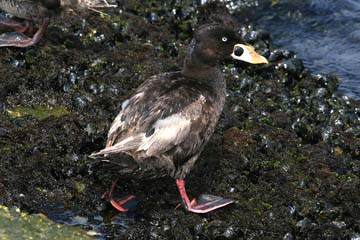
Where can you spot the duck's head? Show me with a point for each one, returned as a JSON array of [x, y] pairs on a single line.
[[214, 42]]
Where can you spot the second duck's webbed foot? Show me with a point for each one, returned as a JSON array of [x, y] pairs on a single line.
[[18, 38], [17, 26]]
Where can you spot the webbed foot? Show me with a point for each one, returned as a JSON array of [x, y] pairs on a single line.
[[205, 203], [19, 39], [18, 27], [123, 204]]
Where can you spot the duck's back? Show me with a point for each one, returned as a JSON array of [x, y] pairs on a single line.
[[165, 124]]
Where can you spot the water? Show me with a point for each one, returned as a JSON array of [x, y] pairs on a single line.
[[100, 225], [324, 33]]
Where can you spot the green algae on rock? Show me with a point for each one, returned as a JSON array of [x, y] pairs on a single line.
[[39, 112], [18, 225]]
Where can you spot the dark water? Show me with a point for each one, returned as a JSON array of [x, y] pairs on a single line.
[[324, 33], [98, 224]]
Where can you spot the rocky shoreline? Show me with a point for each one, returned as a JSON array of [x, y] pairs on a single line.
[[287, 147]]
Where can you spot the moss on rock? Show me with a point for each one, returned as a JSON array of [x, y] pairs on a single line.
[[15, 224]]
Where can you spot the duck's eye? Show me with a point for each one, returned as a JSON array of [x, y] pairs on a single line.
[[224, 39]]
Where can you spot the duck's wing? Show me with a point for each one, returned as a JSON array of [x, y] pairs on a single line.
[[153, 122]]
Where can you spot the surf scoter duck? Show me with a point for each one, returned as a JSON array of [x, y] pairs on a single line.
[[38, 11], [165, 125]]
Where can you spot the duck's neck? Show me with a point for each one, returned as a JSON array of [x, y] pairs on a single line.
[[208, 74]]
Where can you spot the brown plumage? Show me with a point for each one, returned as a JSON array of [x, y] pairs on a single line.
[[39, 11], [165, 125]]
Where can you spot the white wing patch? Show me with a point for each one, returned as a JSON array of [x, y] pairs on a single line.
[[167, 133]]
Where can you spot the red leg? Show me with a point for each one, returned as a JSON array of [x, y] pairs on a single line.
[[119, 205], [19, 27], [204, 204], [18, 39]]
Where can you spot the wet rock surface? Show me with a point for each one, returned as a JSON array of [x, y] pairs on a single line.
[[17, 225], [287, 147]]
